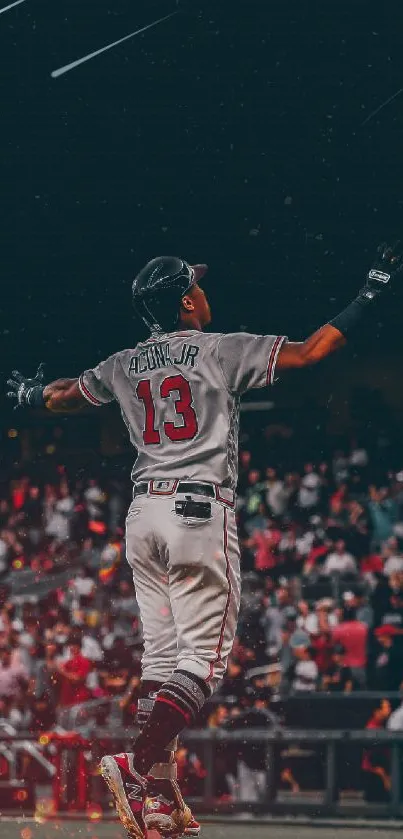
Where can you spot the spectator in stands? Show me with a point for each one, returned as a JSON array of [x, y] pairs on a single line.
[[253, 499], [383, 512], [376, 760], [116, 668], [337, 521], [278, 610], [256, 522], [392, 555], [278, 492], [5, 619], [19, 713], [4, 550], [388, 665], [218, 716], [107, 629], [90, 646], [191, 773], [395, 721], [358, 455], [264, 544], [305, 618], [5, 511], [83, 584], [73, 675], [285, 651], [63, 508], [116, 505], [393, 607], [358, 529], [352, 634], [33, 514], [95, 500], [322, 645], [233, 684], [45, 681], [337, 678], [340, 467], [318, 551], [90, 553], [246, 763], [359, 603], [61, 627], [128, 702], [309, 490], [340, 561], [125, 605], [13, 549], [13, 676], [319, 621], [251, 632], [303, 672]]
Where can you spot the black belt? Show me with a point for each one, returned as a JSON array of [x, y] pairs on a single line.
[[183, 486]]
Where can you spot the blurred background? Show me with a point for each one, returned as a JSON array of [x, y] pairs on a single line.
[[258, 138]]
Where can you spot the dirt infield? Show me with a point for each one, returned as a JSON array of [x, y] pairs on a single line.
[[28, 829]]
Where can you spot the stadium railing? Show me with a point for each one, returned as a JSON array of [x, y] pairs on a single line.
[[244, 770]]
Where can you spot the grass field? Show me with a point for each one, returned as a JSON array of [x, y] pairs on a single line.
[[28, 829]]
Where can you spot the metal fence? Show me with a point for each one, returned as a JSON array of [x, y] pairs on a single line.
[[245, 771], [331, 774]]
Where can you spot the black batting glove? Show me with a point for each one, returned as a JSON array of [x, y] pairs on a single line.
[[26, 392], [387, 265]]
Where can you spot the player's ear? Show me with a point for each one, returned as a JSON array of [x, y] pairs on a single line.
[[187, 303]]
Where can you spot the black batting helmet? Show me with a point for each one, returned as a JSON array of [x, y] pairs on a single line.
[[159, 287]]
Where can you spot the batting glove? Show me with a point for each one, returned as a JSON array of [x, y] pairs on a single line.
[[27, 392], [387, 265]]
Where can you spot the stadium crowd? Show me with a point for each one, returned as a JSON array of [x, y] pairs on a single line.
[[322, 603]]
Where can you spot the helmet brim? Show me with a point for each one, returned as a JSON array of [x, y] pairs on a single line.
[[198, 272]]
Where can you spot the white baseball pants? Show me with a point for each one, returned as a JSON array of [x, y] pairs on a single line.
[[186, 573]]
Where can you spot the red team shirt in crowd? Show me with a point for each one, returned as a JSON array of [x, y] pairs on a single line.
[[352, 635]]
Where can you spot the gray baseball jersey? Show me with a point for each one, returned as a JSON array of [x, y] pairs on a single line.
[[179, 397]]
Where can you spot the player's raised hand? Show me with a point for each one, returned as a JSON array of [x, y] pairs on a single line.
[[21, 387], [387, 264]]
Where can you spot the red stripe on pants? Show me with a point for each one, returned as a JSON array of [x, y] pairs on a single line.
[[226, 610]]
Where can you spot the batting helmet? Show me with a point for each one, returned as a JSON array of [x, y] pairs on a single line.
[[159, 287]]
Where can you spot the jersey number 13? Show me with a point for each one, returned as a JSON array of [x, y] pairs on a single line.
[[187, 428]]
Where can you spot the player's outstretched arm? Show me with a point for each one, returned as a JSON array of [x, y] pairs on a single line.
[[61, 396], [64, 396], [387, 265], [322, 343]]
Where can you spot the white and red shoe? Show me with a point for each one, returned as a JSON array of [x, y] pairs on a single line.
[[165, 811], [193, 828], [129, 790]]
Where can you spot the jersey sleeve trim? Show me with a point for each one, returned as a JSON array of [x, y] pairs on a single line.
[[273, 358], [87, 394]]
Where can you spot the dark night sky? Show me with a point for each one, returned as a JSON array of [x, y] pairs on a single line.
[[232, 133]]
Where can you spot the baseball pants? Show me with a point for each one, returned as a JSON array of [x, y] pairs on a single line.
[[186, 573]]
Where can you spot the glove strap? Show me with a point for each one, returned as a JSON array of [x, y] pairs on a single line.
[[168, 771], [350, 318], [33, 397]]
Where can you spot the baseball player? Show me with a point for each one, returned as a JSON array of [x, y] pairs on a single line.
[[179, 393]]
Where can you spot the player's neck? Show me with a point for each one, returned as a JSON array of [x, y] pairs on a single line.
[[190, 321]]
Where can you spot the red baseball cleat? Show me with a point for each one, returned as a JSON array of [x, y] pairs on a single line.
[[129, 789], [193, 828], [165, 810]]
